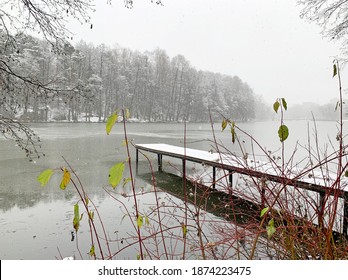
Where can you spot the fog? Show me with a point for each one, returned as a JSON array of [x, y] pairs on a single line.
[[266, 43]]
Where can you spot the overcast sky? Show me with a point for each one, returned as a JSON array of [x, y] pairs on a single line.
[[264, 42]]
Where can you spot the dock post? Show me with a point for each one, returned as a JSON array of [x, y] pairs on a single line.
[[345, 214], [263, 197], [263, 182], [230, 179], [183, 171], [321, 207], [159, 157], [214, 177], [136, 160]]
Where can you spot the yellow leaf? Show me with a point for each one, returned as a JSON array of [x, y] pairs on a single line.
[[92, 251], [111, 121], [223, 124], [65, 179], [127, 114], [140, 221]]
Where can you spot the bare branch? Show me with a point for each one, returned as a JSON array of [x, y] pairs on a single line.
[[22, 135]]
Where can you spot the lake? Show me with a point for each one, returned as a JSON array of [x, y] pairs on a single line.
[[36, 222]]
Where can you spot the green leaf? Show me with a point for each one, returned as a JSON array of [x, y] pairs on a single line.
[[125, 181], [285, 105], [124, 143], [283, 132], [91, 215], [116, 174], [184, 229], [223, 124], [92, 251], [86, 200], [140, 221], [276, 106], [270, 228], [338, 104], [264, 211], [111, 121], [124, 216], [45, 176], [334, 70], [76, 221], [65, 179], [147, 221], [233, 132], [346, 173]]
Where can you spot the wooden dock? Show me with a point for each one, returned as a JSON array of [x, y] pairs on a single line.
[[233, 164]]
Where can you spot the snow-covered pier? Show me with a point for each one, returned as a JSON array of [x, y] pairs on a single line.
[[232, 164]]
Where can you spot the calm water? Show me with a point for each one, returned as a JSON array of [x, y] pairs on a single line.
[[36, 223]]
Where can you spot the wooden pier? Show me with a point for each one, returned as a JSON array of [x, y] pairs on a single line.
[[233, 164]]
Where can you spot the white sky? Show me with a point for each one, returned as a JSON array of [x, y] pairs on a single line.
[[264, 42]]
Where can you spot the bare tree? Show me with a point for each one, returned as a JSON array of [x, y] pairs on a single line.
[[48, 19], [331, 15]]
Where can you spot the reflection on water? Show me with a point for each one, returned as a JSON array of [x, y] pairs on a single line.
[[36, 223]]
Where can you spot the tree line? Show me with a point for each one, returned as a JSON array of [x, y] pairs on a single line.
[[85, 81], [35, 81]]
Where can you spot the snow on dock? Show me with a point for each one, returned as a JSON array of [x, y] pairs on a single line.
[[269, 171], [180, 152], [239, 165]]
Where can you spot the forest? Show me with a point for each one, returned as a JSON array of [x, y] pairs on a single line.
[[87, 83]]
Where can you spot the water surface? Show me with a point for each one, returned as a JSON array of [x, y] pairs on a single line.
[[36, 223]]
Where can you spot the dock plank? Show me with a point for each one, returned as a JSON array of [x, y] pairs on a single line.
[[239, 165], [258, 169]]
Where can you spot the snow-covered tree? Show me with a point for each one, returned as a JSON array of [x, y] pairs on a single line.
[[331, 15]]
